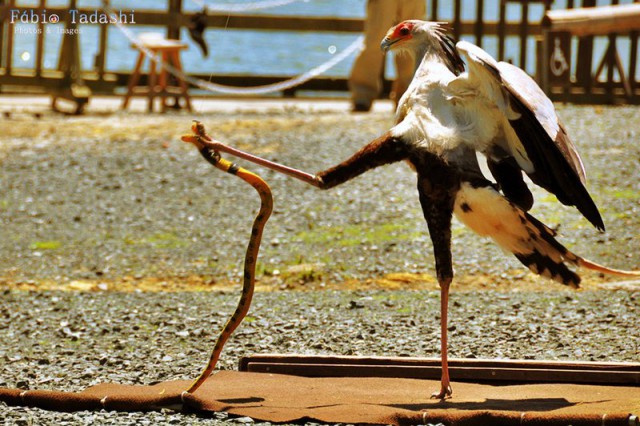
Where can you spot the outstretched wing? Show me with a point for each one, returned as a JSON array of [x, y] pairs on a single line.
[[534, 139]]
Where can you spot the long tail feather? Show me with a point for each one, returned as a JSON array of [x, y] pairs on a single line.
[[488, 213], [584, 263]]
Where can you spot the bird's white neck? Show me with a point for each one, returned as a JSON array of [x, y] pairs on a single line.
[[431, 63], [441, 49], [420, 55]]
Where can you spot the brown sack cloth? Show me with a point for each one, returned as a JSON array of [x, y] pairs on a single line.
[[284, 398]]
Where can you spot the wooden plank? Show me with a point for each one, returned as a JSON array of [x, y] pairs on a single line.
[[611, 62], [585, 53], [102, 50], [524, 34], [255, 22], [419, 361], [602, 20], [40, 41], [288, 23], [633, 60], [318, 83], [9, 52], [479, 27], [593, 99], [457, 20], [3, 27], [50, 79], [174, 19], [434, 11], [502, 29], [512, 371], [458, 373]]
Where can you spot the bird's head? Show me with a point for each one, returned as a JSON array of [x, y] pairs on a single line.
[[421, 37], [404, 36]]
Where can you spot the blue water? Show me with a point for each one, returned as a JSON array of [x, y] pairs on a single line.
[[260, 52]]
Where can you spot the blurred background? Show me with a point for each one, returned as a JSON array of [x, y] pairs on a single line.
[[252, 43]]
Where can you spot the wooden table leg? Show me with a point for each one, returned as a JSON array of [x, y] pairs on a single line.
[[133, 80], [163, 80], [152, 81], [183, 84]]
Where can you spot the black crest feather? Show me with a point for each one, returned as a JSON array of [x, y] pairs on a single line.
[[448, 46]]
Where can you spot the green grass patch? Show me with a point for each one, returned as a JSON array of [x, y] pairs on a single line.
[[624, 194], [353, 235], [166, 240], [547, 198], [45, 245]]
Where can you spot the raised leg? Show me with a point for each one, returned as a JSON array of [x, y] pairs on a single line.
[[383, 150], [201, 140]]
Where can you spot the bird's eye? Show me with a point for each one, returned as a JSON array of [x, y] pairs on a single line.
[[404, 31]]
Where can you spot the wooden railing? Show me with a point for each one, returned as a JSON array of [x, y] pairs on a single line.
[[98, 80], [582, 25]]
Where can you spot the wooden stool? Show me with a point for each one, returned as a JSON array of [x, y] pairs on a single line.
[[169, 53]]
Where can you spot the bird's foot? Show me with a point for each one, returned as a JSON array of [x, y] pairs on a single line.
[[194, 139], [200, 139], [444, 393], [198, 136]]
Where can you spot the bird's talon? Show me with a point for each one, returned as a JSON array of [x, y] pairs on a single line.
[[198, 128], [444, 393], [199, 136], [194, 139]]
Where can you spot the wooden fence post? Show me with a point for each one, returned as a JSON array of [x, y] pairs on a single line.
[[173, 27], [3, 27], [585, 56], [9, 51]]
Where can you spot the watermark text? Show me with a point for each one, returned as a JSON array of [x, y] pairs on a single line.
[[32, 16]]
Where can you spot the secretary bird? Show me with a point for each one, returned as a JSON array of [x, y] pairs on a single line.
[[444, 118]]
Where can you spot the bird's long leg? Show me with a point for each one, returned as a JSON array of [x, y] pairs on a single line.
[[383, 150], [437, 207], [445, 383], [204, 140]]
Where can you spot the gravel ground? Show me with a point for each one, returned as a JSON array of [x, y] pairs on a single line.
[[114, 203], [70, 340], [94, 200]]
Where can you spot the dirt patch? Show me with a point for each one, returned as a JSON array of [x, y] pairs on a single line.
[[527, 282]]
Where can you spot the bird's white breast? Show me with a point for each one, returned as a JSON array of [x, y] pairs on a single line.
[[437, 119]]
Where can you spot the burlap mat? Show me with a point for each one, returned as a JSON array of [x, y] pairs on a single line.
[[284, 398]]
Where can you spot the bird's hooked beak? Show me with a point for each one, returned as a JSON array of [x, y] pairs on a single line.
[[396, 34], [387, 42]]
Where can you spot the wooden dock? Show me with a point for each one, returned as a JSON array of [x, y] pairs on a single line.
[[579, 83]]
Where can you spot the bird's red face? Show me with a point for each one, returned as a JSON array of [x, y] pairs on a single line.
[[397, 36]]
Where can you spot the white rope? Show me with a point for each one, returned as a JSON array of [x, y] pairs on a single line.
[[255, 90], [282, 85], [231, 8]]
